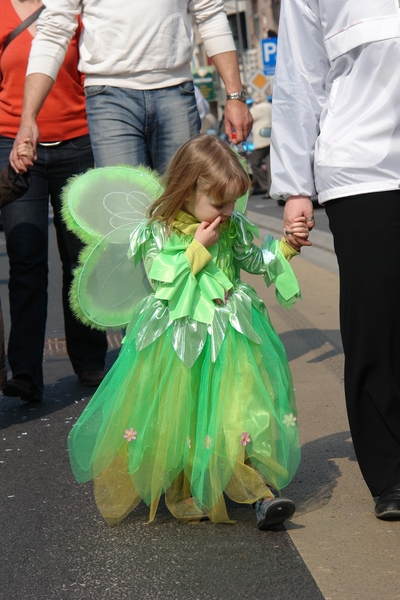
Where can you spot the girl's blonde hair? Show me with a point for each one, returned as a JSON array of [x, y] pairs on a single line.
[[206, 164]]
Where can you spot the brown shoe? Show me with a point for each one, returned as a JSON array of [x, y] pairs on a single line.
[[22, 386], [91, 377]]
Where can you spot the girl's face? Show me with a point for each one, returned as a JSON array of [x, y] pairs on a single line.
[[205, 208]]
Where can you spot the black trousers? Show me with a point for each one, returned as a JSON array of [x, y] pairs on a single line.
[[366, 230]]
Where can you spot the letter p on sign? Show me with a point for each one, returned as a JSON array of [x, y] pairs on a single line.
[[269, 47]]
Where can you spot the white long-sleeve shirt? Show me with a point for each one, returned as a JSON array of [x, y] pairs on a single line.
[[336, 106], [129, 43]]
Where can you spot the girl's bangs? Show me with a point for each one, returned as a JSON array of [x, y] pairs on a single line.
[[226, 189]]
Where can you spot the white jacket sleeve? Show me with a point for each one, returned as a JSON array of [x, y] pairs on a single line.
[[214, 29], [55, 28], [298, 98]]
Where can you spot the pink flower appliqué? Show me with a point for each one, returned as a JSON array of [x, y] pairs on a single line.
[[208, 442], [245, 438], [130, 434]]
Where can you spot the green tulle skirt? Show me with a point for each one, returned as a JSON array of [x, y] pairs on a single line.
[[156, 426]]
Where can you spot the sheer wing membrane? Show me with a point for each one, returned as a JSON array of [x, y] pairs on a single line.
[[102, 207]]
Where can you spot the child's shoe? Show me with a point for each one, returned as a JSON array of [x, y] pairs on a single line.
[[272, 512]]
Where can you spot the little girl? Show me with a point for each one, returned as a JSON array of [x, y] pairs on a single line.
[[200, 401]]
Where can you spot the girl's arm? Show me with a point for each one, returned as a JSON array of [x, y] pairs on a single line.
[[256, 260], [271, 260], [252, 258]]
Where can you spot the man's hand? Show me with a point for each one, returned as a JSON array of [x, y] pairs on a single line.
[[295, 207], [237, 114], [207, 233], [237, 117], [29, 131]]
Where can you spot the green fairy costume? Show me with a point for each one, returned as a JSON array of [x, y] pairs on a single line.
[[200, 401]]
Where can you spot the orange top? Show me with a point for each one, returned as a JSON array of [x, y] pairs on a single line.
[[63, 115]]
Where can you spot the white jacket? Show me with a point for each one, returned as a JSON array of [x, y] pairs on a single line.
[[336, 102], [135, 44]]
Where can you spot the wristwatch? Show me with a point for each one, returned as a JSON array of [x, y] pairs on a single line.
[[242, 96]]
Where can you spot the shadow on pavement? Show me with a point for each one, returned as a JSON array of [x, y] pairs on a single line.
[[301, 341], [317, 476], [63, 392]]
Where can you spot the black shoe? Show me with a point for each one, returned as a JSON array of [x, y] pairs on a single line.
[[22, 386], [91, 377], [388, 504], [272, 512]]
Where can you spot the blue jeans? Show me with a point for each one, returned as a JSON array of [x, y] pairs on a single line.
[[145, 127], [26, 226]]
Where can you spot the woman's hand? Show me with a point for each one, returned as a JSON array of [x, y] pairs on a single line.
[[25, 149], [207, 233], [20, 161]]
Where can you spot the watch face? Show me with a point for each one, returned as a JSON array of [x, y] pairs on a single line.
[[238, 96]]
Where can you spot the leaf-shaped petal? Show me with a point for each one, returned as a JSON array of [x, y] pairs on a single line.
[[153, 325], [217, 329], [240, 317], [188, 339]]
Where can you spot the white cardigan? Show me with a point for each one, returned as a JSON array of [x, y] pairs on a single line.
[[136, 44], [336, 103]]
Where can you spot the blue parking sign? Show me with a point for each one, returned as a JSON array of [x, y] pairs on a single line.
[[268, 49]]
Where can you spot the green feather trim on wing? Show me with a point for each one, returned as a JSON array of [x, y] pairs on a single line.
[[66, 215]]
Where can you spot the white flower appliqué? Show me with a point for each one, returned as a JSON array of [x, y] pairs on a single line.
[[289, 420]]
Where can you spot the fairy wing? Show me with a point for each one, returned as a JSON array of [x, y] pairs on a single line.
[[101, 200], [102, 207]]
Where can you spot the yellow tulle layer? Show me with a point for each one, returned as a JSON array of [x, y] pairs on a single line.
[[155, 426]]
